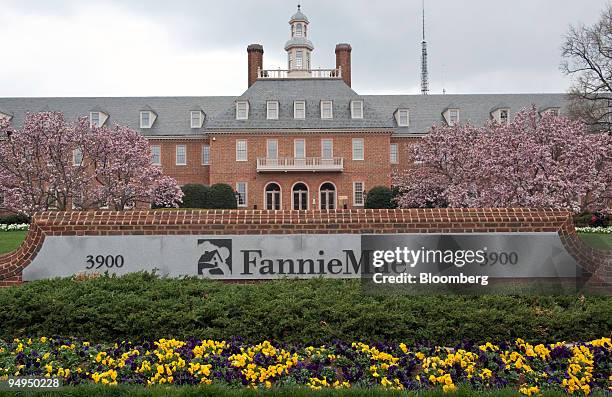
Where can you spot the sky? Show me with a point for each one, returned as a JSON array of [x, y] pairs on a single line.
[[198, 47]]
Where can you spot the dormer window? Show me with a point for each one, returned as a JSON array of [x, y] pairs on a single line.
[[272, 110], [242, 110], [451, 116], [4, 116], [197, 119], [327, 110], [147, 118], [402, 117], [356, 109], [551, 111], [299, 109], [502, 115], [97, 118]]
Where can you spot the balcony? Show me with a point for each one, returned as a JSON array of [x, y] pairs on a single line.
[[308, 164], [299, 73]]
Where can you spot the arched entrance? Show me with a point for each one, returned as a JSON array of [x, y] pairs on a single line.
[[327, 196], [300, 196], [273, 196]]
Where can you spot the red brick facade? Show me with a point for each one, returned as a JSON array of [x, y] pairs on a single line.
[[219, 222]]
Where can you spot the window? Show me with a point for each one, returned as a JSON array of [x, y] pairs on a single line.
[[94, 119], [327, 196], [205, 155], [272, 110], [358, 193], [181, 155], [327, 148], [299, 109], [300, 197], [551, 111], [196, 119], [298, 59], [77, 157], [403, 117], [357, 148], [241, 150], [241, 189], [298, 30], [453, 117], [273, 196], [327, 109], [299, 148], [272, 149], [156, 155], [503, 116], [357, 109], [242, 110], [146, 119], [393, 153]]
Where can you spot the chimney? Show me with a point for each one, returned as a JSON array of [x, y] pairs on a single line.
[[343, 61], [255, 52]]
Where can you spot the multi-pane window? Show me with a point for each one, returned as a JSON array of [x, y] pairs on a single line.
[[272, 110], [503, 116], [393, 153], [145, 119], [403, 118], [357, 109], [242, 110], [327, 109], [357, 148], [298, 30], [327, 148], [94, 119], [298, 59], [181, 155], [241, 150], [299, 109], [299, 148], [272, 148], [205, 155], [358, 198], [77, 157], [196, 119], [156, 155], [241, 189], [453, 117]]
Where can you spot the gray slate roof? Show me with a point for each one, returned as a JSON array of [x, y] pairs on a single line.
[[173, 113]]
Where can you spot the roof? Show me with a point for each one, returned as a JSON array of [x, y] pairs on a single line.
[[298, 16], [173, 117]]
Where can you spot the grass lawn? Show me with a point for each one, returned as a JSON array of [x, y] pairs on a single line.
[[9, 241], [596, 240], [216, 391]]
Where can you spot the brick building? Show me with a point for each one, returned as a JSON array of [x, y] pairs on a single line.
[[298, 138]]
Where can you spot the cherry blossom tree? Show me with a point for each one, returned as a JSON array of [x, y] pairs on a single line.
[[51, 164], [533, 161]]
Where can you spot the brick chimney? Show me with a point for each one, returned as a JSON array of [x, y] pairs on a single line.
[[343, 61], [255, 52]]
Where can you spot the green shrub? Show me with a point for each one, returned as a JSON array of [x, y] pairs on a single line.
[[380, 197], [14, 219], [195, 196], [143, 306], [221, 196]]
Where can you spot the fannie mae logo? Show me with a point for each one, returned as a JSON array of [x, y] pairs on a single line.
[[216, 258]]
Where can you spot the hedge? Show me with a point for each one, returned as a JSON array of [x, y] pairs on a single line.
[[221, 196], [14, 219], [144, 306], [195, 196], [380, 197]]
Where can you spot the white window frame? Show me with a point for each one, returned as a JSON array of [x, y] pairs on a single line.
[[356, 149], [330, 105], [393, 154], [153, 154], [239, 116], [74, 157], [176, 154], [354, 113], [246, 194], [452, 122], [299, 59], [150, 123], [295, 146], [239, 150], [355, 203], [268, 142], [400, 122], [91, 119], [295, 109], [498, 116], [196, 122], [331, 141], [205, 154], [271, 112]]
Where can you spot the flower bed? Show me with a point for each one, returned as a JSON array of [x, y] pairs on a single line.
[[573, 368], [601, 230], [14, 227]]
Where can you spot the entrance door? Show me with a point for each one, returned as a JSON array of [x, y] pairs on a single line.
[[300, 197], [273, 197], [327, 196]]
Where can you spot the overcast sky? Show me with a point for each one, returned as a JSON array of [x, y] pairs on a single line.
[[198, 47]]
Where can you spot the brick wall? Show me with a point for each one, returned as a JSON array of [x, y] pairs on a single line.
[[193, 171], [219, 222]]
